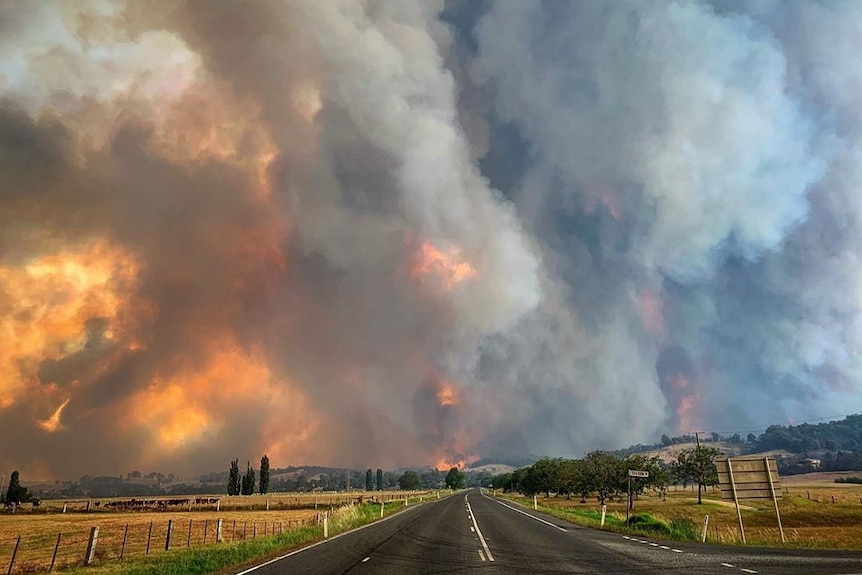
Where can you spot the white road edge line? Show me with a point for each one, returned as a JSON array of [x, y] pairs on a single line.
[[481, 555], [479, 533], [525, 513], [747, 570], [727, 565], [674, 550], [333, 538], [366, 559], [664, 547]]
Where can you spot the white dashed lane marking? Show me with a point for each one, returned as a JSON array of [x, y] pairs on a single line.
[[366, 559], [666, 548], [727, 565]]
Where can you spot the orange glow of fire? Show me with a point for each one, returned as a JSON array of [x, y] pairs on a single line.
[[448, 267], [52, 423], [447, 395], [45, 304], [188, 407], [688, 402]]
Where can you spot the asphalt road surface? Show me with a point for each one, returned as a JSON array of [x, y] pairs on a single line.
[[474, 533]]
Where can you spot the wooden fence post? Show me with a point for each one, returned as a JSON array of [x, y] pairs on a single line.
[[218, 531], [149, 538], [14, 553], [168, 535], [233, 537], [123, 546], [189, 538], [206, 528], [254, 530], [54, 556], [91, 545]]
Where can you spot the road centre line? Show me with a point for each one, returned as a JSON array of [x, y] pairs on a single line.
[[479, 533], [747, 570], [527, 514]]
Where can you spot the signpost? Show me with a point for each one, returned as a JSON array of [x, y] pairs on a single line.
[[742, 478], [633, 473]]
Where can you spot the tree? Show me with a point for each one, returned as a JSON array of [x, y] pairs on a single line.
[[369, 480], [751, 438], [455, 479], [697, 465], [233, 480], [15, 493], [248, 480], [716, 437], [264, 475], [665, 440], [379, 479], [409, 480], [606, 474]]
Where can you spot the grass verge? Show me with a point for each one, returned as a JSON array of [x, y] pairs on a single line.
[[211, 559], [679, 529]]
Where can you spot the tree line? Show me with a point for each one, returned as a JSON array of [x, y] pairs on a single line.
[[606, 476]]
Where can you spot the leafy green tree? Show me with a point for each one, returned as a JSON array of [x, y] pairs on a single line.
[[233, 480], [248, 480], [697, 465], [264, 475], [409, 480], [16, 493], [751, 438], [665, 440], [456, 479], [379, 479], [606, 474], [542, 476], [369, 480]]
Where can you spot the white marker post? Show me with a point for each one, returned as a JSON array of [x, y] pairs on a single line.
[[535, 503], [705, 527], [382, 505], [326, 525], [604, 511]]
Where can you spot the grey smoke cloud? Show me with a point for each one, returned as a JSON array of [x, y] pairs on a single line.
[[384, 233]]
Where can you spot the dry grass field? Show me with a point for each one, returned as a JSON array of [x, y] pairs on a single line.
[[814, 522], [125, 534]]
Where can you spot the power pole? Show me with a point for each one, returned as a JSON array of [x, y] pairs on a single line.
[[697, 438]]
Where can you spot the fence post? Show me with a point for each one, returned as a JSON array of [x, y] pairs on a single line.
[[206, 528], [190, 503], [705, 527], [64, 506], [267, 504], [233, 537], [14, 553], [87, 510], [254, 530], [218, 531], [218, 505], [168, 536], [244, 529], [189, 538], [123, 546], [54, 556], [91, 545], [604, 511], [149, 538]]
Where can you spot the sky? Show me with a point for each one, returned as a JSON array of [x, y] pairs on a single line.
[[384, 233]]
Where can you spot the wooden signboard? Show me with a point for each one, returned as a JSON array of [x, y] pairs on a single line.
[[747, 478]]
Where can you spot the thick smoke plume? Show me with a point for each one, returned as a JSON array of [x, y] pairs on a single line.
[[385, 233]]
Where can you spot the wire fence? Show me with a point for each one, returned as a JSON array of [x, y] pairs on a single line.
[[41, 553]]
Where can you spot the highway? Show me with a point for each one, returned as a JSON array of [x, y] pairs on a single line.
[[474, 533]]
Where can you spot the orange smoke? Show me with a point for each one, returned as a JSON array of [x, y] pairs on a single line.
[[447, 267], [447, 395], [651, 312], [45, 305], [689, 399], [191, 406], [52, 423]]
